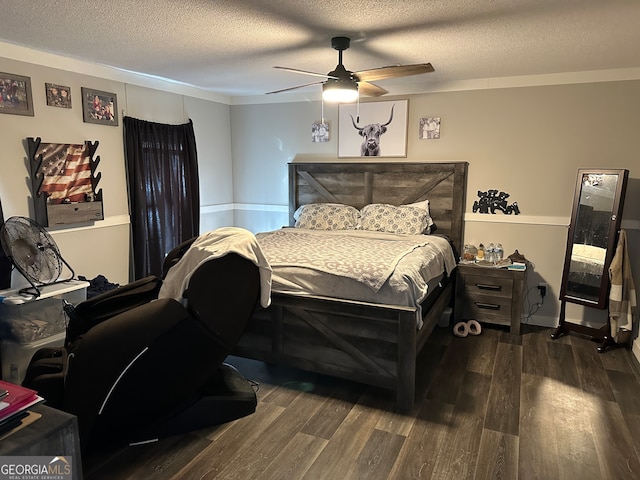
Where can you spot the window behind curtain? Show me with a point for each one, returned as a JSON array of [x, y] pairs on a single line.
[[164, 196]]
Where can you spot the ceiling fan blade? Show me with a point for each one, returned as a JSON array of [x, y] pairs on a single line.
[[394, 71], [304, 72], [293, 88], [370, 89], [363, 77]]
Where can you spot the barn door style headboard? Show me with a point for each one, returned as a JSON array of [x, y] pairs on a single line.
[[359, 184]]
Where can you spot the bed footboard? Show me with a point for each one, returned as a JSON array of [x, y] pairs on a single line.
[[373, 344]]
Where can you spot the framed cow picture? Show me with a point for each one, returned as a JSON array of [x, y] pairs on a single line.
[[373, 129]]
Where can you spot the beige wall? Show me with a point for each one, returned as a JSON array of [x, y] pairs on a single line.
[[103, 248], [528, 142]]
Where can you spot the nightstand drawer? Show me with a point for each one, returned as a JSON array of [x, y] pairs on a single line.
[[491, 309], [486, 285]]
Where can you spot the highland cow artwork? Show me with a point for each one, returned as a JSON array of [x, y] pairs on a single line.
[[374, 129]]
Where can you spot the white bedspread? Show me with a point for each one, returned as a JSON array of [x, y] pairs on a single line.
[[367, 260], [412, 261]]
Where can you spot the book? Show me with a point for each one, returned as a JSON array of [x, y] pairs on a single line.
[[28, 418], [13, 421], [16, 400], [517, 266]]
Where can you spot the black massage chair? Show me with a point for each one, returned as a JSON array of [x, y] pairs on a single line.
[[135, 368]]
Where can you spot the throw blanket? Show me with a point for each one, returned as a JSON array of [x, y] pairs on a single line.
[[370, 261], [622, 297], [214, 244]]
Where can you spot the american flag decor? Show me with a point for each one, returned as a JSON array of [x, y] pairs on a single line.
[[67, 172]]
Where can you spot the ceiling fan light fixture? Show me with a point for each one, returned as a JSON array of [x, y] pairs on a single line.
[[340, 91]]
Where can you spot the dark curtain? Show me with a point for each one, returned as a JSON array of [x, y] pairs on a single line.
[[164, 196], [5, 263]]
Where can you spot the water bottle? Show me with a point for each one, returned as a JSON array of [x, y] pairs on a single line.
[[498, 252], [489, 253]]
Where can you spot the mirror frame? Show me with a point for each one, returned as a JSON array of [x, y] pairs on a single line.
[[614, 228]]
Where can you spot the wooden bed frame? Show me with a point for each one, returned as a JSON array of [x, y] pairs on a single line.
[[369, 343]]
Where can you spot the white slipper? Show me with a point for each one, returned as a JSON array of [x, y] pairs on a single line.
[[474, 327], [461, 329]]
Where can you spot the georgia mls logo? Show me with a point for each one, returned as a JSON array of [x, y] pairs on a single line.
[[35, 468], [60, 466]]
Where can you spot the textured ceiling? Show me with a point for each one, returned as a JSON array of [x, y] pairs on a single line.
[[230, 47]]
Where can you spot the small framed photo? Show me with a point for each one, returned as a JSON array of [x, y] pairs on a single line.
[[15, 94], [320, 132], [58, 95], [429, 128], [99, 107]]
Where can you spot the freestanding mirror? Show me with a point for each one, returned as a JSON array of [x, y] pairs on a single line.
[[591, 243]]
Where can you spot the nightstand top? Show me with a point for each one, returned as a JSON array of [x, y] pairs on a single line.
[[515, 267]]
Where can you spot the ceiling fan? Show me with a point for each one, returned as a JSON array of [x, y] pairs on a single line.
[[342, 85]]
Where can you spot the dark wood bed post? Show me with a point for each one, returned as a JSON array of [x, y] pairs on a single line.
[[406, 374]]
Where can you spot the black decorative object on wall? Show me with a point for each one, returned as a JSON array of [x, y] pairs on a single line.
[[492, 200], [64, 181]]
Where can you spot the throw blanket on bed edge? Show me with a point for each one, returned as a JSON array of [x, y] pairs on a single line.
[[370, 261], [622, 296], [214, 244]]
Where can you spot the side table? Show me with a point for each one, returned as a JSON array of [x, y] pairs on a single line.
[[490, 295], [55, 433]]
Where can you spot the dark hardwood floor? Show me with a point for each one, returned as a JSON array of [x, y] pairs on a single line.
[[493, 406]]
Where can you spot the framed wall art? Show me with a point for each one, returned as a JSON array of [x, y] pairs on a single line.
[[15, 94], [375, 129], [64, 182], [429, 128], [99, 107], [58, 95], [320, 132]]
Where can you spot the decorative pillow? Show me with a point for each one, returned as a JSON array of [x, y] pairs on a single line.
[[381, 217], [327, 216], [424, 204]]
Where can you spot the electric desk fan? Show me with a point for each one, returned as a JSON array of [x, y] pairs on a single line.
[[33, 252]]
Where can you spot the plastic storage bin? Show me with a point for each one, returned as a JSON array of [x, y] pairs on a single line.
[[15, 357], [29, 323], [25, 319]]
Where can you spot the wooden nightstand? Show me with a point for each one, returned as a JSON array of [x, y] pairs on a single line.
[[490, 295]]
